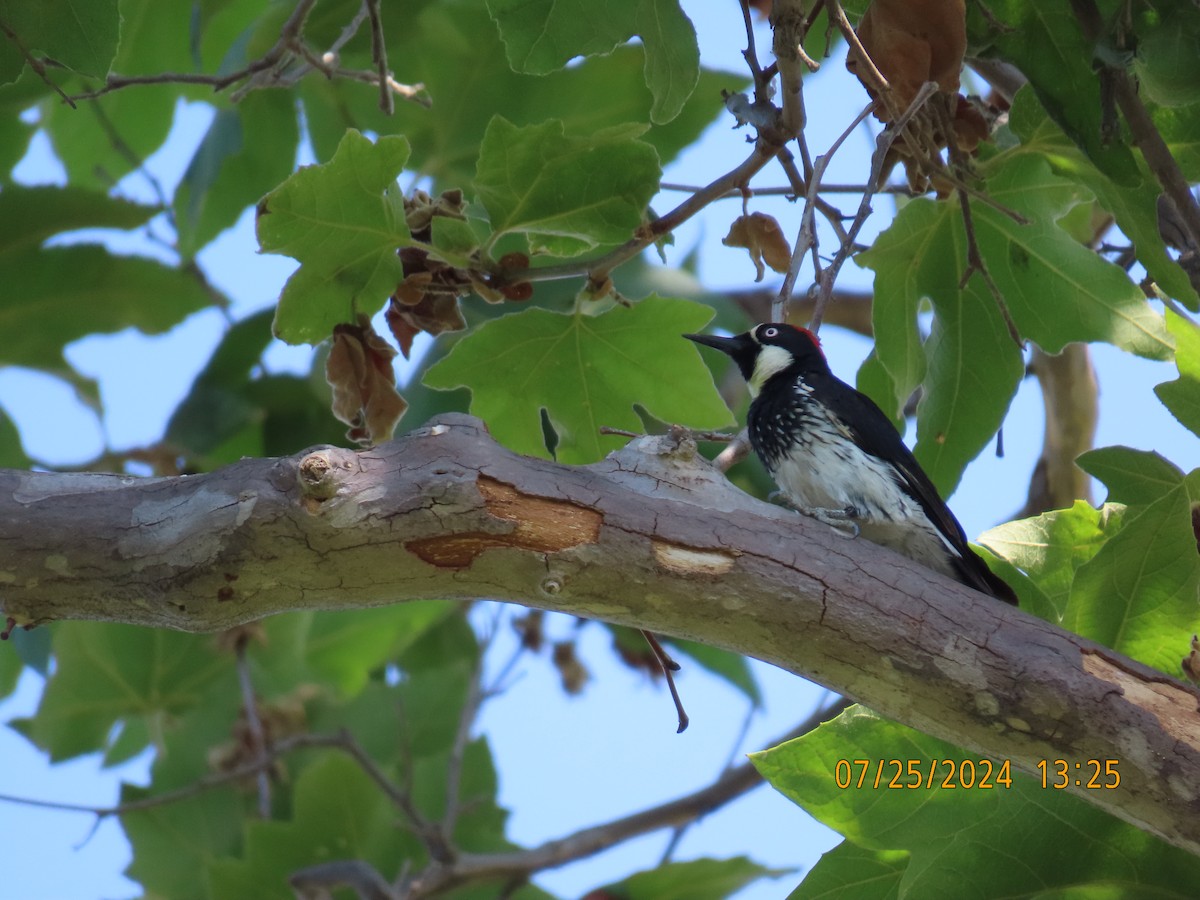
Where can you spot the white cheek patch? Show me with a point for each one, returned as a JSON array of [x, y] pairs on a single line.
[[771, 361]]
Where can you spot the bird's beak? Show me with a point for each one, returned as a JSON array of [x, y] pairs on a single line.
[[728, 345]]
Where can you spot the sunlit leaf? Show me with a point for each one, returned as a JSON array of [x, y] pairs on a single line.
[[1132, 476], [961, 840], [569, 194], [544, 35], [344, 222], [585, 372], [1182, 396], [1142, 584]]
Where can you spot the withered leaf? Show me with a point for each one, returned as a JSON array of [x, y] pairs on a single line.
[[359, 371], [573, 673], [762, 236], [911, 42]]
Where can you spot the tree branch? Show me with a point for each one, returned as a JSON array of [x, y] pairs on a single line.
[[588, 841], [1070, 397], [446, 512]]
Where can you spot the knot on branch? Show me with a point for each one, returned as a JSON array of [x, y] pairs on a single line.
[[322, 472]]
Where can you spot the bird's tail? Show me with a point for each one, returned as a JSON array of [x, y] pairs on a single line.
[[973, 572]]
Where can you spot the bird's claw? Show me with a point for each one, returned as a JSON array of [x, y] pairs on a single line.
[[841, 520]]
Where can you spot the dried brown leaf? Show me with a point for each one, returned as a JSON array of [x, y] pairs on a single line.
[[761, 235], [360, 374], [911, 42]]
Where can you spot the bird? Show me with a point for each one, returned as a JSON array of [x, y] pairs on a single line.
[[837, 457]]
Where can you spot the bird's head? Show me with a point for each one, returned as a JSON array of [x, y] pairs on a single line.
[[768, 349]]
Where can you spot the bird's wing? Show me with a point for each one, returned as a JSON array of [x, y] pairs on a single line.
[[874, 432]]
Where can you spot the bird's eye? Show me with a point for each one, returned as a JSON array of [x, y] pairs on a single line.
[[771, 332]]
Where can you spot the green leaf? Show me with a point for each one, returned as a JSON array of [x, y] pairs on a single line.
[[453, 47], [54, 296], [339, 813], [1050, 548], [1134, 206], [344, 222], [78, 34], [874, 381], [974, 370], [697, 879], [217, 408], [568, 194], [585, 371], [108, 672], [12, 64], [105, 138], [173, 843], [12, 454], [1132, 476], [1182, 396], [1180, 128], [1057, 291], [544, 35], [1045, 41], [11, 667], [31, 215], [1167, 49], [246, 152], [962, 841], [1142, 584], [347, 647], [851, 872]]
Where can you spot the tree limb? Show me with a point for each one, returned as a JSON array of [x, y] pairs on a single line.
[[446, 512]]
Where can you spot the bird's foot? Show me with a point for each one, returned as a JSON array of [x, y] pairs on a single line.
[[841, 520]]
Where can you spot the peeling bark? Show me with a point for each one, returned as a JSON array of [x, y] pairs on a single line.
[[652, 537]]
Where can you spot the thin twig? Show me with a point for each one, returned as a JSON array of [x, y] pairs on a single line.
[[349, 31], [668, 667], [735, 750], [975, 263], [1146, 135], [254, 726], [787, 18], [882, 144], [34, 63], [589, 841], [807, 238], [379, 56], [342, 741], [458, 750], [597, 269], [290, 33], [832, 214], [750, 54], [738, 449], [788, 191], [272, 68], [870, 72], [359, 875]]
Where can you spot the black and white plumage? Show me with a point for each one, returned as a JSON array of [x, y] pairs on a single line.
[[836, 456]]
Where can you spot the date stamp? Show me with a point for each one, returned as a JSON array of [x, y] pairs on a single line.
[[1092, 774], [922, 774], [966, 774]]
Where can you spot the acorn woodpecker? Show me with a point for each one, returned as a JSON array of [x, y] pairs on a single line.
[[838, 458]]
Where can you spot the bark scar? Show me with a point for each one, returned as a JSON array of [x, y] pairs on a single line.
[[1171, 702], [538, 524]]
